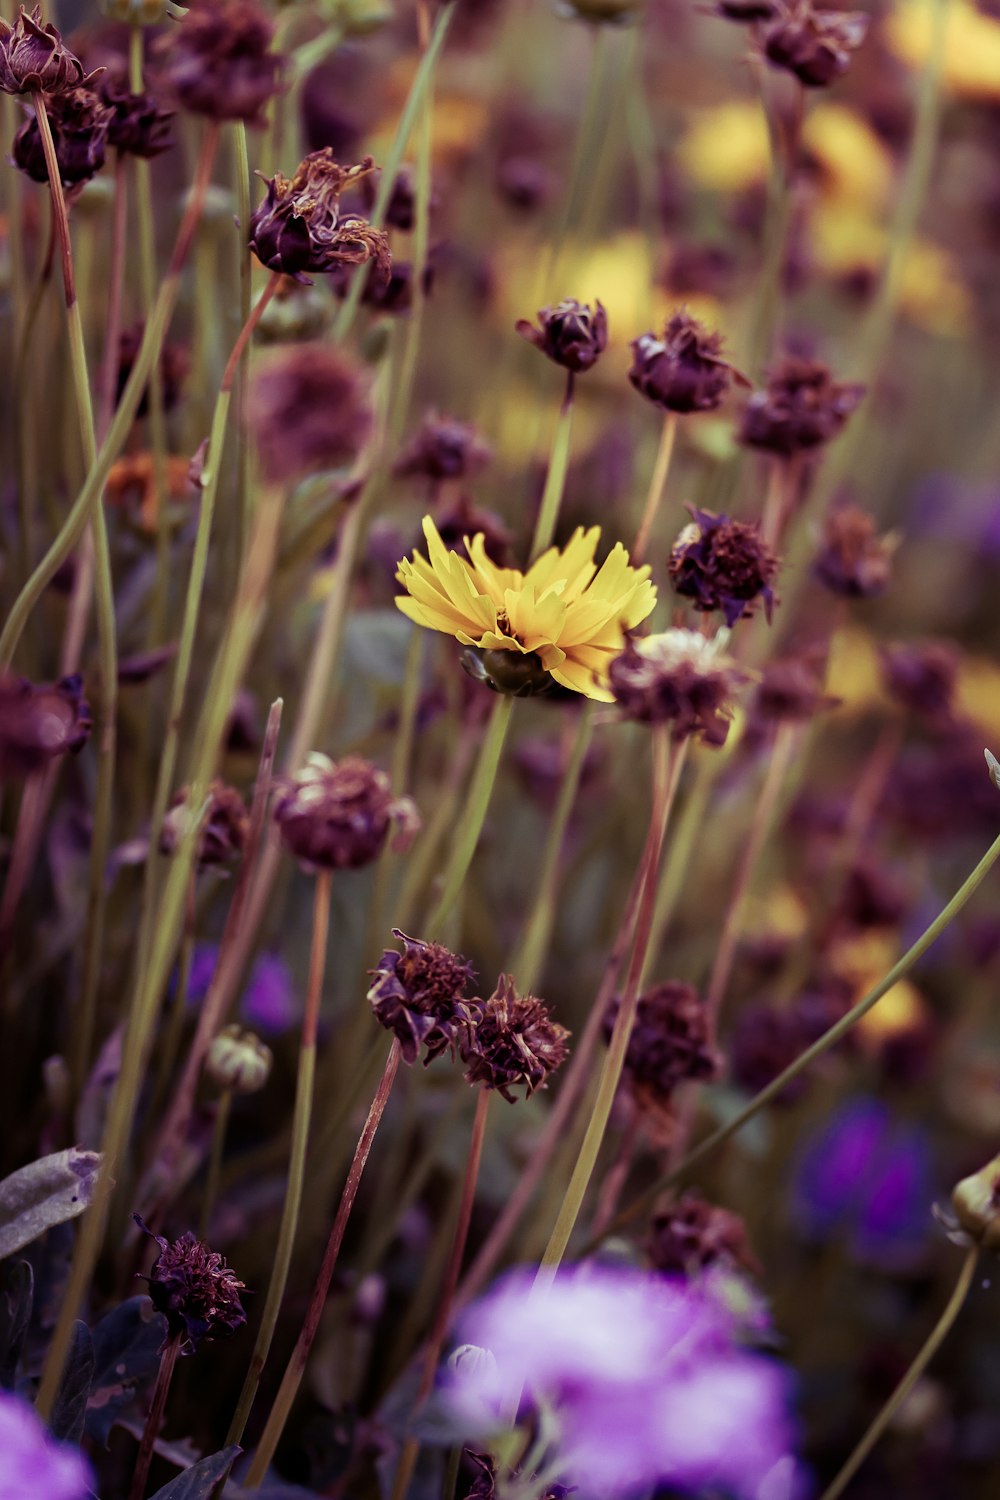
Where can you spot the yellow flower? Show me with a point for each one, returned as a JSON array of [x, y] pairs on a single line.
[[567, 612]]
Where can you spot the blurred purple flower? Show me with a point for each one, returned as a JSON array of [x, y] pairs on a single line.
[[643, 1376], [268, 1002], [31, 1463], [868, 1176]]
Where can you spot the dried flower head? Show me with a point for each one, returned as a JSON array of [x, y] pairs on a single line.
[[572, 334], [223, 832], [194, 1289], [138, 126], [669, 1043], [723, 564], [79, 123], [238, 1060], [565, 617], [802, 406], [677, 678], [815, 44], [219, 61], [684, 371], [35, 59], [462, 518], [443, 448], [515, 1043], [420, 996], [38, 722], [921, 678], [299, 226], [392, 293], [308, 411], [174, 366], [792, 689], [336, 815], [692, 1233], [853, 560]]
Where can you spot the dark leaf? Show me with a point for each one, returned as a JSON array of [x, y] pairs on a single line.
[[127, 1343], [15, 1314], [197, 1483], [70, 1405]]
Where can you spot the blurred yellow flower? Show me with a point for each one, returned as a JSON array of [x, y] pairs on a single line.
[[854, 674], [565, 611], [971, 48]]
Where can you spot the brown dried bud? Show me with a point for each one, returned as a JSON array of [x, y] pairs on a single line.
[[853, 560], [308, 412], [922, 678], [194, 1289], [801, 407], [238, 1061], [816, 45], [676, 678], [723, 564], [219, 62], [138, 125], [420, 996], [976, 1203], [79, 123], [299, 226], [683, 371], [669, 1041], [34, 58], [443, 448], [515, 1043], [223, 832], [571, 334], [691, 1234], [39, 722], [336, 815]]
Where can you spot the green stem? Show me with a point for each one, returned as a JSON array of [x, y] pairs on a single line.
[[829, 1039], [215, 1160], [243, 208], [930, 1347], [421, 249], [473, 815], [678, 862], [657, 484], [555, 479]]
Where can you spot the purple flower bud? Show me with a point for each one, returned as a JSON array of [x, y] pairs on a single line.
[[684, 371], [816, 45], [35, 59], [572, 334], [79, 123]]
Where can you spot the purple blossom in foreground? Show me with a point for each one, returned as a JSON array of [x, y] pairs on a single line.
[[643, 1376], [31, 1463], [267, 1004]]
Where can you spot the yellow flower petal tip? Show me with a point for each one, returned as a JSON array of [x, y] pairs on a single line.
[[565, 612]]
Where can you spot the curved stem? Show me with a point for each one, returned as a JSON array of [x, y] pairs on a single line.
[[930, 1347], [657, 483], [555, 478], [154, 1419]]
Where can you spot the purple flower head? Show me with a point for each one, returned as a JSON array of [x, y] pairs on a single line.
[[642, 1375], [866, 1176], [268, 1002], [31, 1463]]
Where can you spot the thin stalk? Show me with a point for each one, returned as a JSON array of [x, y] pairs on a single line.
[[296, 1163], [589, 133], [678, 862], [555, 479], [929, 1348], [829, 1039], [668, 761], [424, 858], [154, 1419], [473, 814], [657, 484], [446, 1297], [215, 1160], [243, 496], [288, 1389]]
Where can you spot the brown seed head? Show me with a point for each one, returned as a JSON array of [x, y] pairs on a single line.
[[571, 334], [308, 411], [194, 1289], [684, 371], [138, 126], [853, 560], [443, 448], [802, 406], [691, 1234], [299, 226], [515, 1043], [723, 564], [219, 63], [676, 678], [669, 1042], [223, 832], [420, 996], [816, 45], [39, 722], [35, 59], [336, 815], [79, 122]]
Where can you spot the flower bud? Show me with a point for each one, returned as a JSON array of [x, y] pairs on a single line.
[[571, 334], [238, 1060], [79, 123], [34, 58], [976, 1204], [684, 371]]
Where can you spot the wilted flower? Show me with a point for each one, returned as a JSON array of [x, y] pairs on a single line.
[[684, 371], [299, 226], [443, 448], [308, 411], [572, 334], [642, 1376], [792, 689], [677, 678], [801, 407], [814, 44], [79, 123], [565, 617], [219, 62], [336, 815], [515, 1042], [238, 1060], [922, 678], [35, 59], [723, 564], [194, 1289], [670, 1041], [692, 1233], [223, 831], [138, 126], [32, 1463], [420, 996], [853, 560], [39, 722]]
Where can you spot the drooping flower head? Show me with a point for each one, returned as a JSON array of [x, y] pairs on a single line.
[[420, 996], [194, 1289], [684, 370], [641, 1375], [34, 58], [31, 1463], [79, 123], [336, 815], [812, 43], [722, 564], [571, 333], [565, 617], [677, 678], [219, 60], [515, 1043], [138, 125], [299, 226]]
